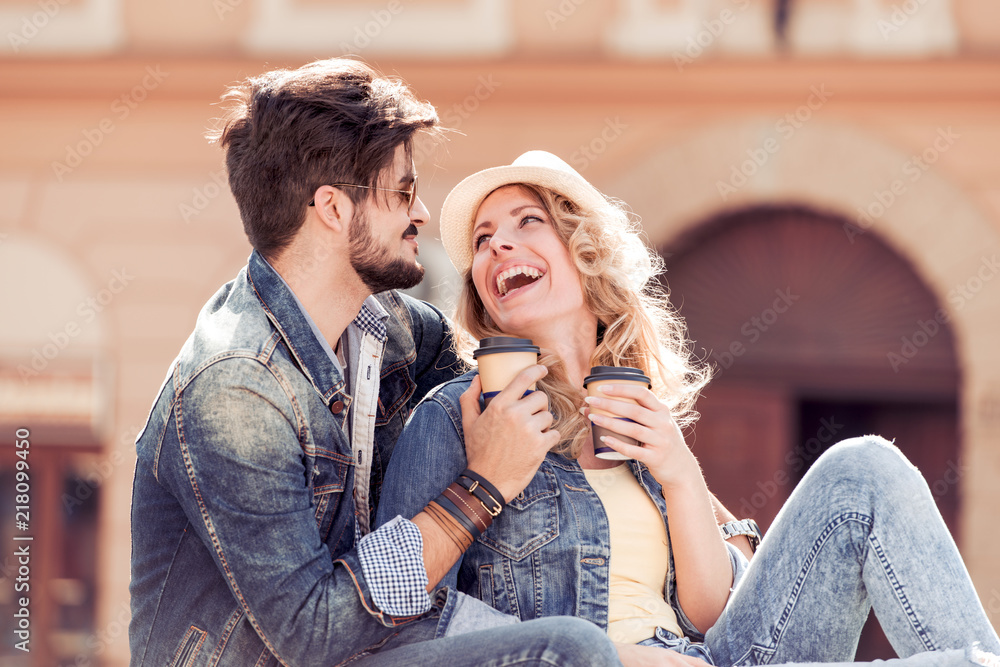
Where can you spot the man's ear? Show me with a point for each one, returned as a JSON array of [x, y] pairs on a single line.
[[333, 208]]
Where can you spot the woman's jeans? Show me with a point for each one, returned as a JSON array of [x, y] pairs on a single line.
[[860, 531]]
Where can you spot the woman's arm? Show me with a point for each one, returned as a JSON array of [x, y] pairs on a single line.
[[723, 515], [703, 568], [428, 456]]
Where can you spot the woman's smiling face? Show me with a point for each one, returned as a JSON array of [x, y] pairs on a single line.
[[520, 267]]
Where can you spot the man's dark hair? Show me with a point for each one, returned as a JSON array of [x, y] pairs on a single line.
[[288, 132]]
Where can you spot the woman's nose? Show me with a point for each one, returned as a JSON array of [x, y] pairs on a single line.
[[499, 244]]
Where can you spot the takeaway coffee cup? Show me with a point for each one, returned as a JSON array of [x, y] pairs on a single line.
[[604, 375], [500, 359]]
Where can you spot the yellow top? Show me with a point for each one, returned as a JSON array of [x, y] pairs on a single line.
[[639, 557]]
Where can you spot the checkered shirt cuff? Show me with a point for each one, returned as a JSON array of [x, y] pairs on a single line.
[[392, 562]]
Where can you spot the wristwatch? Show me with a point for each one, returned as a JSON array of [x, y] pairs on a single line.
[[746, 527]]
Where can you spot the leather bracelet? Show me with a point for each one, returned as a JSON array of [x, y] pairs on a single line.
[[462, 517], [458, 535], [479, 515], [482, 496], [478, 486], [460, 538]]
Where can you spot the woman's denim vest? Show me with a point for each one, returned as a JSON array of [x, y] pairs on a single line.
[[548, 552]]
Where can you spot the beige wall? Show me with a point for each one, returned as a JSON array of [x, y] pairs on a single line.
[[137, 94]]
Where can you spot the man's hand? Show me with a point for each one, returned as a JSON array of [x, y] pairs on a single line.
[[633, 655], [507, 442]]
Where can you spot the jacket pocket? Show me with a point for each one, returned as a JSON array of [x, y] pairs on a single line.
[[529, 522], [329, 481], [188, 649]]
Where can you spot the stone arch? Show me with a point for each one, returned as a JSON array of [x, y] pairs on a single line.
[[930, 222], [840, 169]]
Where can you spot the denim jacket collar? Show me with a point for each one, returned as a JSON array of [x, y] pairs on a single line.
[[281, 308]]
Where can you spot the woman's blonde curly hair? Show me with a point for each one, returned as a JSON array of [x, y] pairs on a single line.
[[637, 326]]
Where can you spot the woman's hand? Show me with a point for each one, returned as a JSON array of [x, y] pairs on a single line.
[[663, 448], [506, 442], [701, 561]]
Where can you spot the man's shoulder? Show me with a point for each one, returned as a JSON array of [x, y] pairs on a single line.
[[447, 393], [411, 311], [232, 326]]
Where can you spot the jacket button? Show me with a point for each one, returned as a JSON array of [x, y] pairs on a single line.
[[337, 407]]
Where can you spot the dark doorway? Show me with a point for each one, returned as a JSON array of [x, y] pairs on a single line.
[[817, 333]]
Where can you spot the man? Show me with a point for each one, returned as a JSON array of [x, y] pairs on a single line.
[[259, 468]]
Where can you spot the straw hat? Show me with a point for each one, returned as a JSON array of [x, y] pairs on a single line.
[[534, 167]]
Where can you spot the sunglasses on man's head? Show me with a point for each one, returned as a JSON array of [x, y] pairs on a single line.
[[411, 194]]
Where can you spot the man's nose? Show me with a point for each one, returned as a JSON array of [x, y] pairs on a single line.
[[419, 215]]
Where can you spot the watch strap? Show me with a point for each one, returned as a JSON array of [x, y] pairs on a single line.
[[745, 527]]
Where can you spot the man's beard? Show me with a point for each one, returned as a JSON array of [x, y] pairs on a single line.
[[375, 264]]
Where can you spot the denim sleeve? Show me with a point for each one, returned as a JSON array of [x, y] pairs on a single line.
[[236, 466], [433, 337], [428, 457]]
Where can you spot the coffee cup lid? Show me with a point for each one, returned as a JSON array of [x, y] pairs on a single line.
[[626, 373], [500, 344]]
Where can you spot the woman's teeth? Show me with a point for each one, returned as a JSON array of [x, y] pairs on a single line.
[[505, 284]]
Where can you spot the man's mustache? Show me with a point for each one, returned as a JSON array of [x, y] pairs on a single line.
[[410, 231]]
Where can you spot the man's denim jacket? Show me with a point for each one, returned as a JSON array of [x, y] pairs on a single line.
[[547, 554], [243, 522]]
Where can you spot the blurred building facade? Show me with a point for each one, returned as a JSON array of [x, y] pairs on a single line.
[[819, 176]]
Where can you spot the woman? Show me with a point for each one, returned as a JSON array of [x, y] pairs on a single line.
[[635, 547]]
